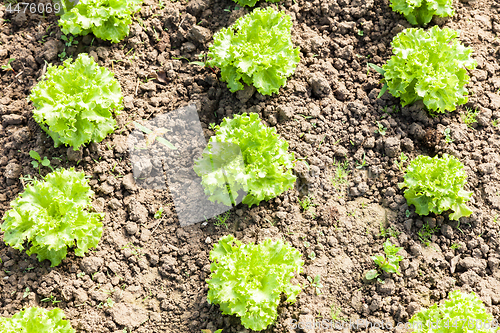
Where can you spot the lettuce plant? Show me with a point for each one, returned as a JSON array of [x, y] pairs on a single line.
[[436, 185], [245, 155], [247, 280], [106, 19], [388, 262], [37, 320], [461, 313], [75, 102], [257, 50], [430, 66], [420, 12], [251, 3], [51, 214]]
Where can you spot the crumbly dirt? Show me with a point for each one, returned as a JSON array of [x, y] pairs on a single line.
[[155, 271]]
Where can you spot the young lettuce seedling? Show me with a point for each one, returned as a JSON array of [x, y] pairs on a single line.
[[388, 262]]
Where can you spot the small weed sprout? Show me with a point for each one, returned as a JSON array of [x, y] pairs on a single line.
[[158, 213], [381, 129], [69, 41], [306, 203], [447, 135], [362, 164], [315, 283], [469, 117], [52, 299], [8, 67], [26, 292], [388, 232], [402, 158], [312, 255], [220, 220], [341, 172], [335, 313], [426, 233], [455, 246], [36, 164]]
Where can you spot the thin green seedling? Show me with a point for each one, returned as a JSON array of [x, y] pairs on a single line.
[[455, 246], [51, 299], [321, 142], [335, 313], [381, 71], [495, 122], [199, 63], [362, 164]]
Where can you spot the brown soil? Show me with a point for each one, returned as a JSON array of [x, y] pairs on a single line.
[[155, 270]]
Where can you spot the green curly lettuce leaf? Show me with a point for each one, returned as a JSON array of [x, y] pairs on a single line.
[[31, 320], [222, 170], [461, 313], [256, 50], [51, 214], [264, 173], [106, 19], [251, 3], [430, 66], [247, 280], [420, 12], [75, 103], [436, 185]]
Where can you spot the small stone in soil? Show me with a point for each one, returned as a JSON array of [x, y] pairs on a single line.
[[131, 228]]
